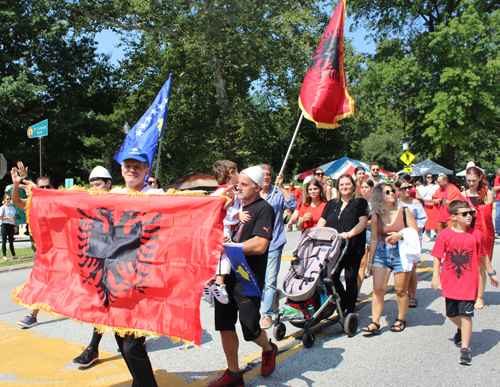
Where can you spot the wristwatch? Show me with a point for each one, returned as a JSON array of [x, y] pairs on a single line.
[[492, 273]]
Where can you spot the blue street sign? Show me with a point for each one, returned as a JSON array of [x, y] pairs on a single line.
[[39, 130]]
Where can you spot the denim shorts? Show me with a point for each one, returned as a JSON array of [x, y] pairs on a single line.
[[387, 256]]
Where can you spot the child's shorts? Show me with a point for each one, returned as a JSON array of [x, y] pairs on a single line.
[[455, 308]]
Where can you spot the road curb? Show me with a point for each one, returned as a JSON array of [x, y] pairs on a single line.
[[17, 267]]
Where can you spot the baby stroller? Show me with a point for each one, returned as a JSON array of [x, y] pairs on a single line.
[[308, 285]]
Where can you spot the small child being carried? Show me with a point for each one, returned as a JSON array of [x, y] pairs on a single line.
[[460, 247], [226, 174]]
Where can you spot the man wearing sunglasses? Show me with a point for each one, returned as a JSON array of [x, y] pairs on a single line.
[[374, 173], [20, 175]]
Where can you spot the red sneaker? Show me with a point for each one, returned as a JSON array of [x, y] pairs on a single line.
[[269, 360], [229, 381]]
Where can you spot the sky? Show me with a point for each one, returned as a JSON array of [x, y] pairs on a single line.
[[108, 41]]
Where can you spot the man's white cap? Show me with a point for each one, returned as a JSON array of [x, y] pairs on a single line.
[[99, 173], [256, 174], [307, 180], [470, 164]]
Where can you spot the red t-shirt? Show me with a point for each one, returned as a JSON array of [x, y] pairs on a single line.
[[296, 192], [460, 253], [443, 214], [316, 213], [496, 184]]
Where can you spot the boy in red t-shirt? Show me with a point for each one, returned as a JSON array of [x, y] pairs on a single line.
[[460, 247]]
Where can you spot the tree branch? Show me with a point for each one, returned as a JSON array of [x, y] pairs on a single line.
[[126, 27]]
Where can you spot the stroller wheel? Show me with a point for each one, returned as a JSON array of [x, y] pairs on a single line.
[[308, 339], [350, 324], [279, 331]]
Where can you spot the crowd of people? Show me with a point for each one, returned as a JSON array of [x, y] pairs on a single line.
[[382, 223]]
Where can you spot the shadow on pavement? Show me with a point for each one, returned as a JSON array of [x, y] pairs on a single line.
[[164, 342]]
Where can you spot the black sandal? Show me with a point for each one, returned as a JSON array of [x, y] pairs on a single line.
[[399, 327], [372, 332]]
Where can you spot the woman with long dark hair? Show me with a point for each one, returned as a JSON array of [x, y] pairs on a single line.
[[312, 207], [388, 221], [481, 199], [367, 186], [348, 215], [7, 215]]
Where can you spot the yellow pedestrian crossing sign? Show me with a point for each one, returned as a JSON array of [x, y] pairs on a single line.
[[407, 157]]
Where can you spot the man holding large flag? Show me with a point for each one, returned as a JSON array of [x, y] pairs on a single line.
[[255, 236]]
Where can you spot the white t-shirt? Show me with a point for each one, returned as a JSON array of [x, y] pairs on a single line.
[[8, 212], [148, 190]]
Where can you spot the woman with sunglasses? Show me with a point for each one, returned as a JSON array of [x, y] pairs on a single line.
[[312, 206], [7, 214], [417, 210], [319, 174], [481, 199], [388, 220], [426, 190], [348, 215]]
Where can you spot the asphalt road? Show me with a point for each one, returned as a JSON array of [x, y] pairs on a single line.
[[421, 355]]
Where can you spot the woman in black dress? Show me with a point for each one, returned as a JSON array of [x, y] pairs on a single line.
[[349, 216]]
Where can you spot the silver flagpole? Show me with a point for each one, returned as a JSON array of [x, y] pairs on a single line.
[[288, 153]]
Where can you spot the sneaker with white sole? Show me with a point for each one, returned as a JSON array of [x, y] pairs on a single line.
[[207, 294], [87, 358], [428, 239], [220, 293], [465, 356], [28, 322]]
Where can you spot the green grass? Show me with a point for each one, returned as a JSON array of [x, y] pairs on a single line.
[[23, 252], [16, 262]]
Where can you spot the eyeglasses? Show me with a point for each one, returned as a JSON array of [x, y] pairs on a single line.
[[44, 186], [406, 188], [318, 174], [429, 177], [464, 214], [267, 174], [389, 191]]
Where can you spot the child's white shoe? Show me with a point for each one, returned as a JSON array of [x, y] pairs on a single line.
[[207, 294], [220, 293]]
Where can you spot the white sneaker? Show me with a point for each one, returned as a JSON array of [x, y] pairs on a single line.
[[428, 239], [220, 293], [207, 294]]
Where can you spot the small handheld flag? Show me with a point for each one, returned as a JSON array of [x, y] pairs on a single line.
[[150, 128], [234, 252], [324, 97]]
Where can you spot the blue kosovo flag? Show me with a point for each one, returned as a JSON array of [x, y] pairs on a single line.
[[234, 252], [148, 130]]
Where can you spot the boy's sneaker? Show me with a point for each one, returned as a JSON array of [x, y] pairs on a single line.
[[269, 360], [28, 322], [207, 294], [458, 338], [220, 293], [228, 381], [465, 356], [87, 358]]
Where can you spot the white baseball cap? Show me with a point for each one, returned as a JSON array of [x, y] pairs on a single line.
[[99, 173], [470, 164], [256, 174], [307, 179]]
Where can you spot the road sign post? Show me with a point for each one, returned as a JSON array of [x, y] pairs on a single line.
[[3, 166], [39, 130]]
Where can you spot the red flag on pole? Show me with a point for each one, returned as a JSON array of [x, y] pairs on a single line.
[[135, 263], [324, 97]]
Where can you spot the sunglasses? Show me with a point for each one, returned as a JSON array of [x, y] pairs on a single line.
[[389, 191], [44, 187], [406, 188], [318, 174], [465, 213], [151, 182], [429, 177], [267, 174], [375, 170]]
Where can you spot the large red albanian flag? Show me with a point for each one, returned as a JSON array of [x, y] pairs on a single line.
[[135, 263], [324, 97]]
